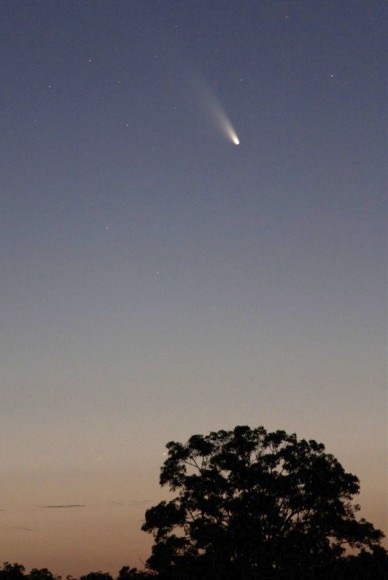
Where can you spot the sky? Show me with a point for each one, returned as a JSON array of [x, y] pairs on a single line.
[[158, 280]]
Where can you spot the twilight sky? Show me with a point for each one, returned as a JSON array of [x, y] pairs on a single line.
[[156, 279]]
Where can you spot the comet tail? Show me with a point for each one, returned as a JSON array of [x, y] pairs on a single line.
[[216, 112]]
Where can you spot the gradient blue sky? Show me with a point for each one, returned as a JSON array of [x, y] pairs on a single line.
[[156, 280]]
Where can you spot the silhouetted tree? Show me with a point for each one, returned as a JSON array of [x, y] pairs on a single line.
[[42, 574], [17, 572], [127, 573], [12, 571], [97, 576], [365, 566], [253, 504]]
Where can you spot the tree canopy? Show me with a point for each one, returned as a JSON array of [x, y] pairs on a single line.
[[254, 504]]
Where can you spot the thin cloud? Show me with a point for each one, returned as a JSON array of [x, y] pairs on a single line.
[[63, 506]]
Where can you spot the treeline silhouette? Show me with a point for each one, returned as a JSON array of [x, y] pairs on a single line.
[[18, 572], [365, 566], [250, 504]]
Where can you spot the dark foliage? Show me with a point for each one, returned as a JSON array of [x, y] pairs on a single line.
[[127, 573], [12, 571], [253, 504], [17, 572], [97, 576]]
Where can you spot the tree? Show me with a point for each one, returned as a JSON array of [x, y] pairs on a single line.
[[42, 574], [128, 573], [12, 571], [254, 504], [366, 565], [97, 576]]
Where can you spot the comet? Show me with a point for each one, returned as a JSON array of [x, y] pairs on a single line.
[[216, 112], [224, 124]]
